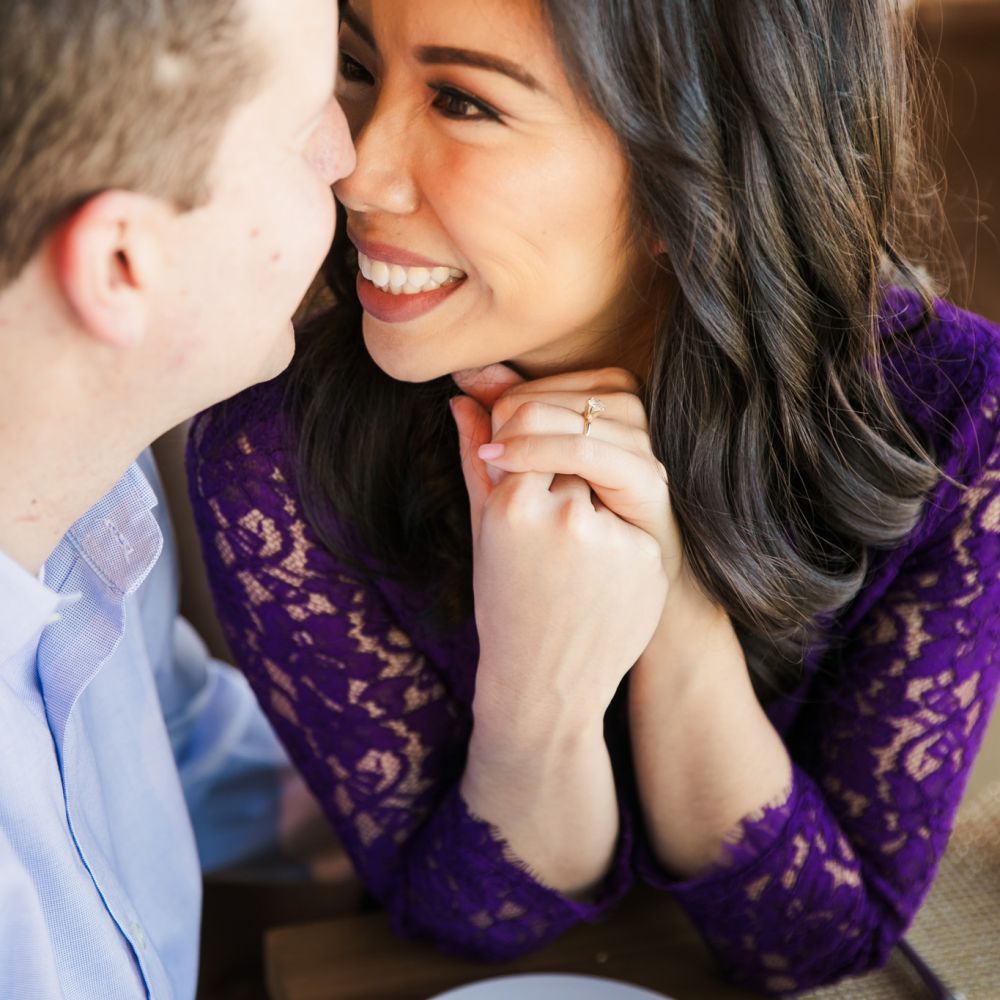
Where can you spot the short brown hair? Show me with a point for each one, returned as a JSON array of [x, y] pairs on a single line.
[[101, 94]]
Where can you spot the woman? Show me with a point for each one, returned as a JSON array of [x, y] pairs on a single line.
[[724, 461]]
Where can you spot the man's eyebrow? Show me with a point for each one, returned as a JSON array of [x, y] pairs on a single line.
[[443, 55], [358, 26]]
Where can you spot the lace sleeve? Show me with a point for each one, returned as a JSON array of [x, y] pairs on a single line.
[[373, 724], [824, 884]]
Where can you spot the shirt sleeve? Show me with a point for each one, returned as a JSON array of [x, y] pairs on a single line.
[[369, 719], [232, 768], [235, 774], [824, 884]]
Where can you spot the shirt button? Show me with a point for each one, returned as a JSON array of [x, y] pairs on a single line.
[[138, 938]]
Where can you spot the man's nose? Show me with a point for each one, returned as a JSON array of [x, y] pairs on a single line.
[[332, 146]]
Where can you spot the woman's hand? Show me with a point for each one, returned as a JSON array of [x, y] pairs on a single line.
[[567, 596], [703, 762], [569, 584], [539, 427]]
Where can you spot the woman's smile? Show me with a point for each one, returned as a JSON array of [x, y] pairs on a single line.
[[399, 280], [401, 303], [474, 147], [396, 285]]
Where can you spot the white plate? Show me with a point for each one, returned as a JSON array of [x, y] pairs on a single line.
[[549, 987]]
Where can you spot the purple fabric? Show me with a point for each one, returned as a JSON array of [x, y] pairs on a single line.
[[882, 733]]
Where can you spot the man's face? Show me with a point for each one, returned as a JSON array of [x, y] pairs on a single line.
[[239, 266]]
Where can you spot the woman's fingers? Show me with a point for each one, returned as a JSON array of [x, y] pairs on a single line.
[[487, 385], [631, 485], [523, 490], [536, 439], [473, 423], [588, 382], [536, 417], [572, 489], [621, 407]]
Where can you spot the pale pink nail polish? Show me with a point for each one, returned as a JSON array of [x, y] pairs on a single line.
[[490, 452]]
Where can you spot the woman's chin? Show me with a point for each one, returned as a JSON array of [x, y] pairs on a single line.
[[415, 359], [403, 364]]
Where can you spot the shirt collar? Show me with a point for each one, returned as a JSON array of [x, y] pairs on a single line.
[[117, 536], [26, 607]]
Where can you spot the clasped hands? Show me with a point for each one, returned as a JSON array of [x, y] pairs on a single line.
[[575, 545]]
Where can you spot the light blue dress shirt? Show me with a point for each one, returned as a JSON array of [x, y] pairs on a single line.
[[114, 723]]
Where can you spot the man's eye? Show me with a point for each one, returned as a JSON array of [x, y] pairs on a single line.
[[455, 104], [353, 72]]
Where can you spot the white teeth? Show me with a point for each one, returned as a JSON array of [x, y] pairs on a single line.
[[380, 273], [399, 280], [417, 277], [397, 277]]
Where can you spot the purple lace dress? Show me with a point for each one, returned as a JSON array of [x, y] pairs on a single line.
[[376, 712]]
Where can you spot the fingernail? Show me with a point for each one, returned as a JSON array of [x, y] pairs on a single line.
[[490, 452]]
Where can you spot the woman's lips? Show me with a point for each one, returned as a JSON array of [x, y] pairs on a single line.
[[389, 308], [390, 254], [396, 285]]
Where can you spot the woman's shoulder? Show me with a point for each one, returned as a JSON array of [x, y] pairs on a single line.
[[240, 459], [943, 367], [253, 421], [944, 370]]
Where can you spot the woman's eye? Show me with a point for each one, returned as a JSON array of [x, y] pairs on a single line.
[[353, 72], [458, 105]]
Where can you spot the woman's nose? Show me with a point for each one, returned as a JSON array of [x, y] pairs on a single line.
[[382, 180]]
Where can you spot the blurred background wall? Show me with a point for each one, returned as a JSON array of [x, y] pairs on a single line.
[[962, 40]]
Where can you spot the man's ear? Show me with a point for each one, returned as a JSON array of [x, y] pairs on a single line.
[[107, 257]]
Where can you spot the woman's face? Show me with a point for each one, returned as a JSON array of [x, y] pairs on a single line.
[[486, 194]]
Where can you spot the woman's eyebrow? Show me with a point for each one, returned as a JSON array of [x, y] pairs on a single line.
[[358, 26], [443, 55]]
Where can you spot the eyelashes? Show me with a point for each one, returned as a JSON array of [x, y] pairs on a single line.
[[449, 101], [456, 104], [354, 72]]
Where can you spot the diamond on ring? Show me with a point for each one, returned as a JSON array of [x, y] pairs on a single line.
[[591, 412]]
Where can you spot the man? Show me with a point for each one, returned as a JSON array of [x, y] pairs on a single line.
[[165, 174]]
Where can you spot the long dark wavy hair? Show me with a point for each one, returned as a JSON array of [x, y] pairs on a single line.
[[771, 145]]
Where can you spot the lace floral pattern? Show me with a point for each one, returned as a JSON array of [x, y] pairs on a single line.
[[885, 734], [377, 726], [882, 735]]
